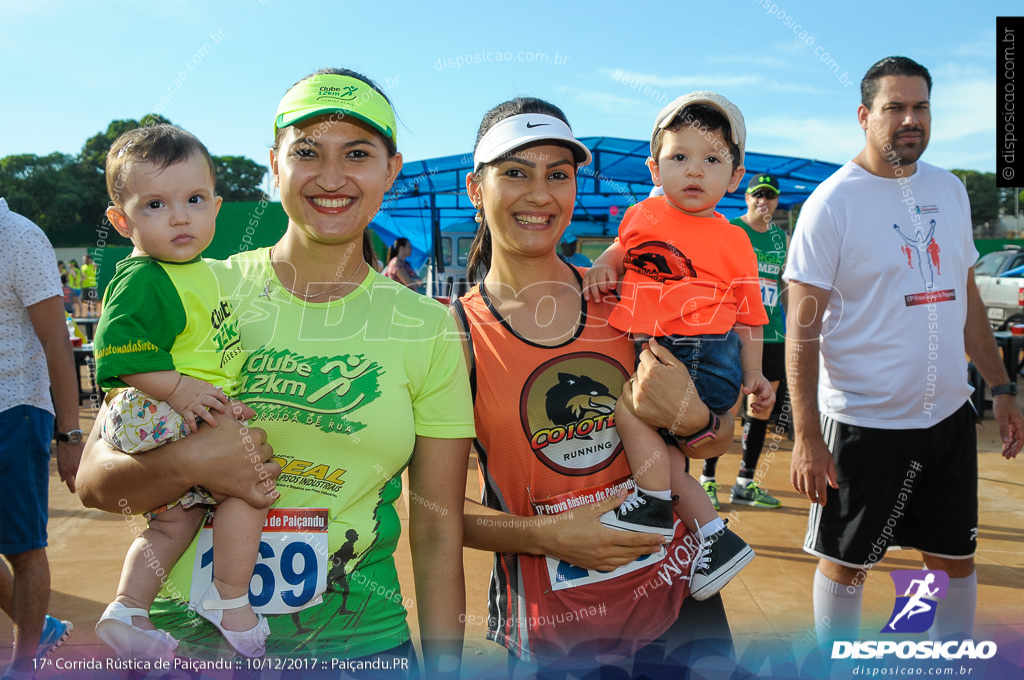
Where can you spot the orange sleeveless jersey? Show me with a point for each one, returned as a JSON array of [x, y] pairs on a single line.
[[547, 443]]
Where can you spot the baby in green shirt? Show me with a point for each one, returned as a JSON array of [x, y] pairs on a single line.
[[168, 344]]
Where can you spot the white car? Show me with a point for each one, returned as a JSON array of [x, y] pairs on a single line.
[[1002, 294]]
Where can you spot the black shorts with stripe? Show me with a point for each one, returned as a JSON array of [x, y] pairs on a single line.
[[909, 488]]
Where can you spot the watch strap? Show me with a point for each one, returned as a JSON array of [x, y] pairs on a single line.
[[708, 434], [66, 436], [1006, 388]]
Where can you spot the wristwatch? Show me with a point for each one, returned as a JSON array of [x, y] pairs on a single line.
[[72, 437], [1008, 388], [705, 436]]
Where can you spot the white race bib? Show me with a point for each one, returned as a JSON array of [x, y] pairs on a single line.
[[566, 575], [291, 570], [769, 292]]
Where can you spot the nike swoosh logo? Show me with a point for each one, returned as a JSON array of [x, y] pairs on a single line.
[[533, 125]]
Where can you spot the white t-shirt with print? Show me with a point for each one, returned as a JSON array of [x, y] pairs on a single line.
[[894, 254], [28, 274]]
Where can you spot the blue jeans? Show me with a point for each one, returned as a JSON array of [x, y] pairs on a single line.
[[713, 361]]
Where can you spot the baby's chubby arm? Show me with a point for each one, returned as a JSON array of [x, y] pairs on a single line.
[[190, 397], [606, 273], [754, 382]]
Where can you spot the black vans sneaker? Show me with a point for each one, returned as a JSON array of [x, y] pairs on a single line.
[[642, 513], [719, 558]]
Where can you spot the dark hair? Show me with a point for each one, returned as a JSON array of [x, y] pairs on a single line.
[[389, 143], [162, 145], [704, 117], [480, 251], [369, 254], [890, 66], [400, 242]]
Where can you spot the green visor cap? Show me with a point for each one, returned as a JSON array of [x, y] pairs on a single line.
[[329, 93]]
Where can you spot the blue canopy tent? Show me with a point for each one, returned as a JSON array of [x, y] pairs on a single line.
[[429, 196]]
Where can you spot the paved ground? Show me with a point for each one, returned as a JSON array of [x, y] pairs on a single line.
[[769, 601]]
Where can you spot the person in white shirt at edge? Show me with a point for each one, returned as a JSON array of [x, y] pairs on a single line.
[[35, 356], [891, 388]]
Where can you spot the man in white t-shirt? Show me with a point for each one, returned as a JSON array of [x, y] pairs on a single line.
[[883, 307], [35, 353]]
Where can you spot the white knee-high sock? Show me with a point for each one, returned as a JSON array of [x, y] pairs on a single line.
[[836, 609], [954, 619]]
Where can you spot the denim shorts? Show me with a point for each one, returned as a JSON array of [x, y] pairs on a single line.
[[25, 435], [713, 361]]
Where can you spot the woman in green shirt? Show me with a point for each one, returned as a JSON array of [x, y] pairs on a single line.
[[354, 378]]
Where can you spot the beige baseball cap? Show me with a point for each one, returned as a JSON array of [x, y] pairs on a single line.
[[715, 101]]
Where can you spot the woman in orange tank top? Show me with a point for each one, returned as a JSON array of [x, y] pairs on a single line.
[[547, 370]]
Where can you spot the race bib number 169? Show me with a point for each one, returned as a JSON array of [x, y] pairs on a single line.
[[291, 570]]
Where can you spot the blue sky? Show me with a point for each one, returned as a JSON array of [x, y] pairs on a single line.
[[69, 69]]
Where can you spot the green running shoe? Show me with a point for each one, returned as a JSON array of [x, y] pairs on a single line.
[[752, 494], [711, 487]]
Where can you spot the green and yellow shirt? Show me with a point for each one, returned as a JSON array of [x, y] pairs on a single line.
[[167, 316], [342, 388]]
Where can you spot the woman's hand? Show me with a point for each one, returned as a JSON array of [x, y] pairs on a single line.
[[576, 536], [231, 460], [579, 538], [234, 460], [663, 395]]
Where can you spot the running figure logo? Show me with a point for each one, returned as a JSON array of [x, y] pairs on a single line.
[[923, 244], [914, 611]]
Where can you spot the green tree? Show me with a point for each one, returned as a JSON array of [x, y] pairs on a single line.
[[239, 178], [986, 201], [1008, 204], [67, 195], [50, 190]]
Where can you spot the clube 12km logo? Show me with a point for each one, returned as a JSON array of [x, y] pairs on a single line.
[[917, 600], [567, 409]]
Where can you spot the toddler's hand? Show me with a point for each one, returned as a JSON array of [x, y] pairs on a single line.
[[598, 280], [193, 399], [754, 383]]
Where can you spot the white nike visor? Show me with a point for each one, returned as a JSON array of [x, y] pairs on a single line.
[[513, 132]]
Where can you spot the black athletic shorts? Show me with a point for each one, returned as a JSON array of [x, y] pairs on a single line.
[[908, 488], [773, 361]]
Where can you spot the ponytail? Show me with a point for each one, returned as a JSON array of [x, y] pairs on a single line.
[[479, 254]]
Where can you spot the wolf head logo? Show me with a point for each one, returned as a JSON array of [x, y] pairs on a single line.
[[659, 261], [575, 397]]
